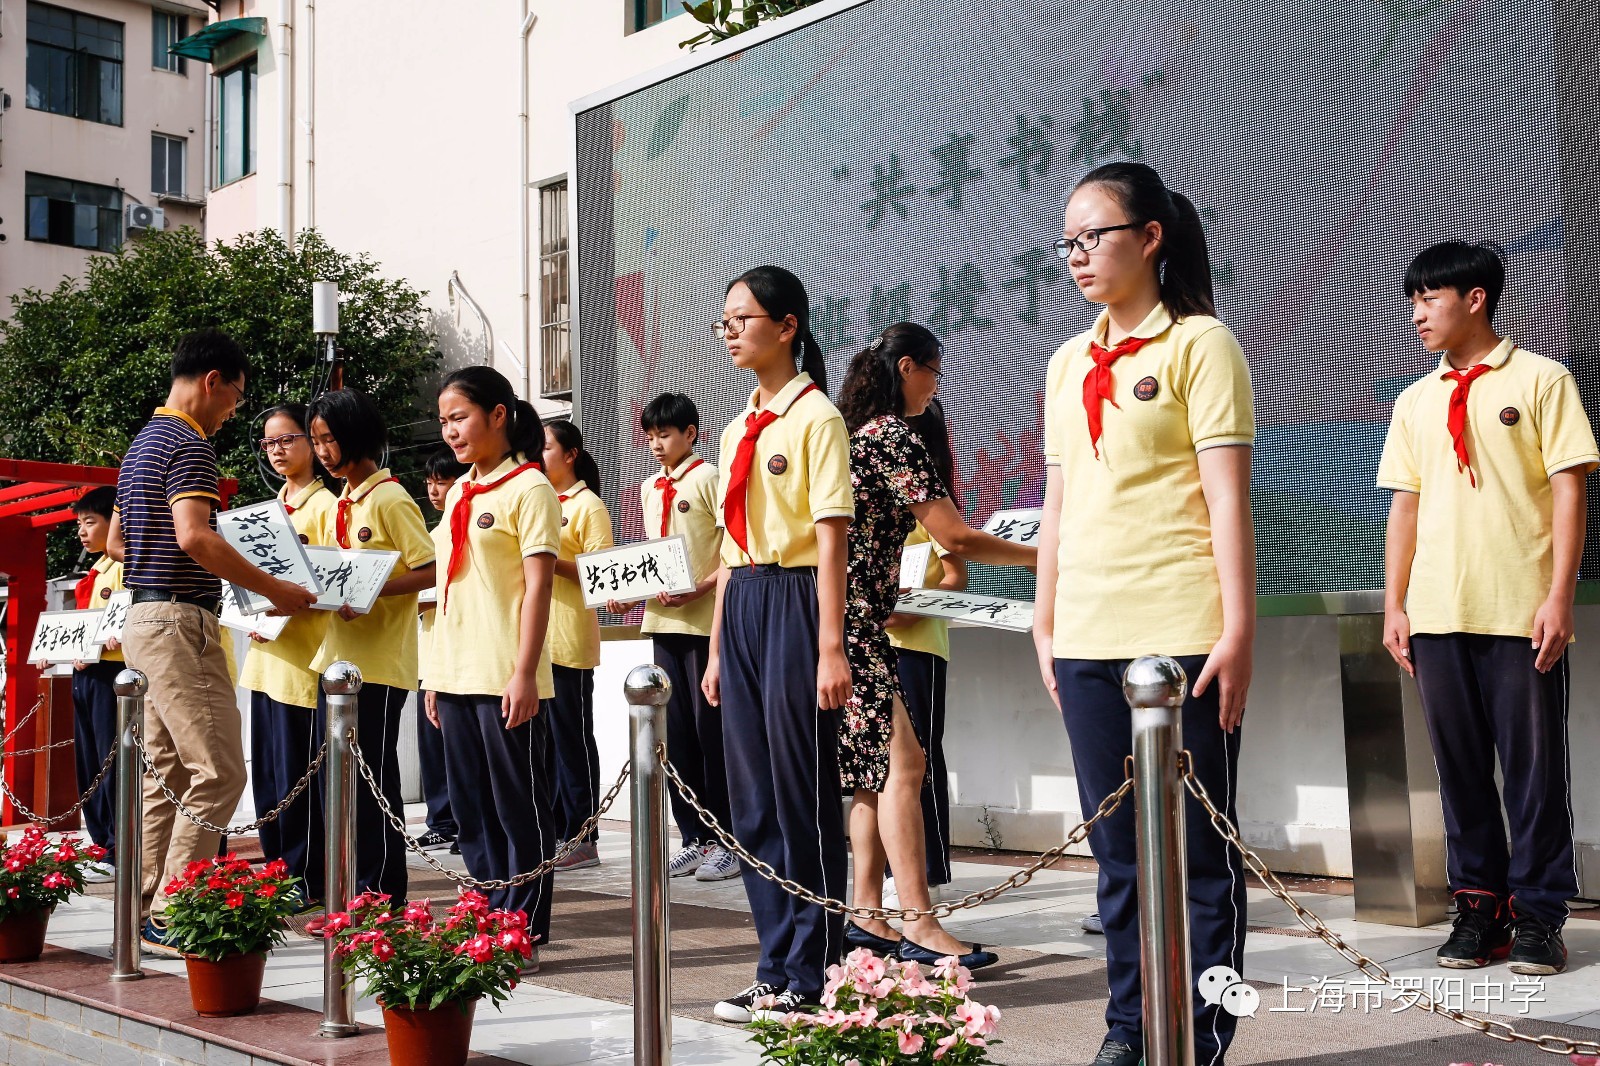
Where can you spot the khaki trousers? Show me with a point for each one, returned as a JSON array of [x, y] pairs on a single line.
[[193, 733]]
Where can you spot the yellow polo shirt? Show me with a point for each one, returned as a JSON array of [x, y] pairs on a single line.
[[107, 580], [476, 633], [931, 635], [694, 514], [800, 475], [574, 628], [426, 618], [382, 642], [1484, 555], [281, 668], [1136, 572]]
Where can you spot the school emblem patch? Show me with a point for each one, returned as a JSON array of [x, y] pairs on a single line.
[[304, 539], [683, 506], [777, 464], [1146, 389], [1510, 416], [105, 593], [563, 519], [485, 520], [365, 534]]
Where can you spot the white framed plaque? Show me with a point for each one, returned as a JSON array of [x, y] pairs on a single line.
[[265, 625], [1019, 527], [263, 534], [66, 637], [995, 612], [114, 617], [351, 576], [634, 572], [914, 565]]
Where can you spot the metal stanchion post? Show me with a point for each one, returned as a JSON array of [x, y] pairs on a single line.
[[340, 682], [647, 690], [130, 687], [1155, 686]]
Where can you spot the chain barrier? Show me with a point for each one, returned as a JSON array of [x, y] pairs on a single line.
[[270, 816], [1490, 1027], [562, 850], [39, 819], [942, 909], [14, 730]]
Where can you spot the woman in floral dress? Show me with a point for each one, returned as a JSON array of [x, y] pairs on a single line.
[[899, 478]]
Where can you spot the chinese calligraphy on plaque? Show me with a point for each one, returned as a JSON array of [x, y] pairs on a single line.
[[634, 572], [263, 534]]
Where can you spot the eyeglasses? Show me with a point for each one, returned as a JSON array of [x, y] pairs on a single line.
[[732, 327], [235, 388], [279, 443], [1089, 239], [938, 375]]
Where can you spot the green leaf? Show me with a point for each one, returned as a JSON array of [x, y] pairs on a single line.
[[668, 125]]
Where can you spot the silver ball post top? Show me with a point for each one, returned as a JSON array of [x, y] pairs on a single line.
[[130, 682], [647, 685], [341, 679], [1155, 681]]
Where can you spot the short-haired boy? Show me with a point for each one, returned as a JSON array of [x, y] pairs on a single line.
[[94, 699], [1487, 457], [441, 471]]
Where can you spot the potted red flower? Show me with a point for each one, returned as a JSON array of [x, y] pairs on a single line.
[[35, 875], [428, 975], [224, 916]]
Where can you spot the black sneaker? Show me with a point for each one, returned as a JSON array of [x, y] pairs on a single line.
[[1536, 946], [155, 938], [1481, 933], [785, 1003], [1116, 1053], [433, 840], [738, 1008]]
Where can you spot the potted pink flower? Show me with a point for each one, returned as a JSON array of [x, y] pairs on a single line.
[[35, 875], [878, 1010]]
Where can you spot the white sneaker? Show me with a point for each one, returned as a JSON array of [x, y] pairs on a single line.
[[891, 895], [719, 865], [686, 860], [98, 873]]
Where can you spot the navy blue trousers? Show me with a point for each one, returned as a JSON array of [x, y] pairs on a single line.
[[783, 770], [380, 847], [1481, 696], [694, 734], [1100, 727], [435, 789], [922, 684], [94, 731], [577, 757], [501, 792], [283, 741]]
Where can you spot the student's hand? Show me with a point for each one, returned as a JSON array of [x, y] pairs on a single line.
[[616, 607], [1229, 667], [347, 612], [289, 599], [1397, 639], [78, 664], [900, 618], [111, 644], [711, 680], [521, 700], [674, 599], [430, 707], [1044, 647], [1552, 631], [258, 638], [833, 680]]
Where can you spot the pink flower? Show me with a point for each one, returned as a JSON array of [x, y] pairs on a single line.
[[869, 968], [910, 1043], [944, 1045], [975, 1018], [883, 988]]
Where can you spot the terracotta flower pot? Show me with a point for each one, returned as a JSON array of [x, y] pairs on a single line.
[[228, 987], [22, 935], [421, 1037]]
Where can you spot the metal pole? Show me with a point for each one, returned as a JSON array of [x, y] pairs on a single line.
[[1155, 686], [647, 690], [341, 682], [130, 687]]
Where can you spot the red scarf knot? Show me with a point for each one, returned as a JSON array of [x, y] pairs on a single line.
[[666, 483], [1456, 418], [1097, 383], [734, 514], [461, 520], [342, 521]]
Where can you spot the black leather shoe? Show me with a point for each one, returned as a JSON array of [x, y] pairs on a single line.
[[858, 937], [976, 959]]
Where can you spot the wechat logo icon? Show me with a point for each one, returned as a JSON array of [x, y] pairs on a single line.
[[1222, 986]]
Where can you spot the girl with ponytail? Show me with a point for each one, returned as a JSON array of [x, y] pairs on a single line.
[[489, 664], [1148, 432], [575, 638]]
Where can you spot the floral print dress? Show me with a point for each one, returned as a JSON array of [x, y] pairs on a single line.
[[891, 471]]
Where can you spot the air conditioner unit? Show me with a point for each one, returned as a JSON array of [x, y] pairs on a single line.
[[143, 217]]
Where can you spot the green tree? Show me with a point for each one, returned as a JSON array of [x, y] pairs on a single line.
[[88, 362]]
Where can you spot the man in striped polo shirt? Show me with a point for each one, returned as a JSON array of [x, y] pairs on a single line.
[[165, 532]]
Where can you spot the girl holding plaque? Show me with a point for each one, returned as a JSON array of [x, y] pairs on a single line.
[[489, 664]]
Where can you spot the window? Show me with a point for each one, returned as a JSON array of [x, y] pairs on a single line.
[[74, 64], [236, 122], [642, 14], [74, 213], [555, 314], [166, 164], [169, 30]]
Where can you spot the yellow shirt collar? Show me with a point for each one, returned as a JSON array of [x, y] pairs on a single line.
[[303, 495], [369, 484], [102, 564], [1157, 322], [572, 490], [677, 472], [785, 398], [1494, 360], [173, 412], [508, 464]]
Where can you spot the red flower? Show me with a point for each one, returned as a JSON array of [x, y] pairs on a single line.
[[419, 912], [14, 892], [267, 891], [478, 949], [516, 940], [218, 881], [195, 869], [58, 880], [96, 852], [235, 899], [276, 869], [382, 950], [337, 922], [66, 853], [176, 885]]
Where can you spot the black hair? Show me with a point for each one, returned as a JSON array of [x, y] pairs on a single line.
[[487, 388], [355, 422], [872, 384], [1463, 267], [570, 437], [297, 413], [670, 410], [199, 353], [443, 465], [931, 426], [780, 295], [1183, 266], [98, 501]]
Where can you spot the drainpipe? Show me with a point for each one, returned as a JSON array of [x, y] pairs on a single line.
[[311, 113], [285, 73], [528, 21]]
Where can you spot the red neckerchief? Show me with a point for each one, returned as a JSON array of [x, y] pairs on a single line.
[[1097, 383], [666, 483], [461, 516], [734, 517], [1456, 417], [342, 523]]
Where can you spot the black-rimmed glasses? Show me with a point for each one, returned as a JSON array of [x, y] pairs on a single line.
[[1089, 239], [732, 327], [279, 443]]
